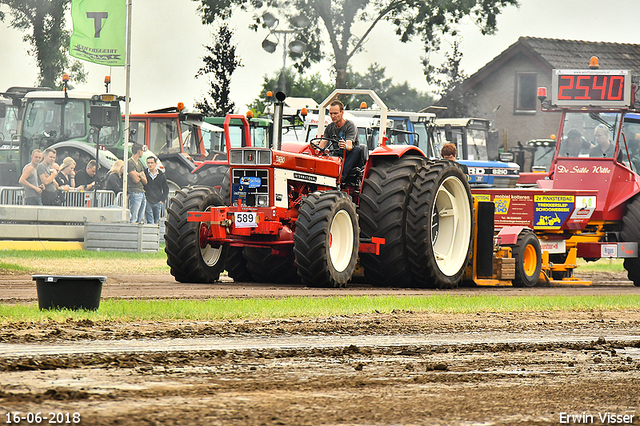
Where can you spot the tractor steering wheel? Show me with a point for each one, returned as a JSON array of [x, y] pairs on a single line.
[[327, 149]]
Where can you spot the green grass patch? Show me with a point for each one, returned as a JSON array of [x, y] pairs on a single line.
[[6, 267], [601, 265], [307, 307], [80, 262]]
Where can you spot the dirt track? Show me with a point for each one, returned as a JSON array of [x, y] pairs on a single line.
[[399, 368]]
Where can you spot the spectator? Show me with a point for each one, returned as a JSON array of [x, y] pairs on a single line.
[[86, 179], [47, 172], [29, 180], [66, 177], [114, 177], [604, 147], [156, 190], [135, 184], [449, 151]]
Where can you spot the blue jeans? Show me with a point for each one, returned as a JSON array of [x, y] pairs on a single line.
[[152, 212], [137, 203]]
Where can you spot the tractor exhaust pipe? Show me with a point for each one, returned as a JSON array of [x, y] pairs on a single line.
[[278, 109]]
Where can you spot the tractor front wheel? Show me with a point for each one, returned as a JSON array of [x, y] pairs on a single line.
[[190, 261], [326, 239], [528, 259]]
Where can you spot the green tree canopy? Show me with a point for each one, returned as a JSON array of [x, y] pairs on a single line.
[[43, 22], [332, 22]]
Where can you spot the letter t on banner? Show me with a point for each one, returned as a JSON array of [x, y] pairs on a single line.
[[99, 31]]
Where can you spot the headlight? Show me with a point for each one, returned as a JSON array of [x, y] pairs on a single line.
[[262, 200], [235, 157]]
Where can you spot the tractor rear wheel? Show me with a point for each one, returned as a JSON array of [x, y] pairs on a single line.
[[178, 175], [236, 265], [216, 176], [528, 259], [439, 225], [189, 262], [267, 267], [383, 211], [631, 232], [326, 239]]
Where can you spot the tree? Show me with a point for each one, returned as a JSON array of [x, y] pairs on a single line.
[[450, 80], [399, 97], [43, 21], [221, 62], [428, 19], [296, 86]]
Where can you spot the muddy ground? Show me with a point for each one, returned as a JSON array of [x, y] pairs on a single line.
[[403, 368]]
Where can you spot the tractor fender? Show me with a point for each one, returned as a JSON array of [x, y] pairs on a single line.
[[386, 151], [177, 157], [509, 235], [107, 158], [209, 163]]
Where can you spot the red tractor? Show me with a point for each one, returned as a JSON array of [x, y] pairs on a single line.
[[290, 218], [589, 205]]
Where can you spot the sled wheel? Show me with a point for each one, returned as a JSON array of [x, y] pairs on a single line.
[[191, 262], [326, 239], [528, 259]]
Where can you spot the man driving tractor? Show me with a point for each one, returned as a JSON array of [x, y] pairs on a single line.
[[345, 133]]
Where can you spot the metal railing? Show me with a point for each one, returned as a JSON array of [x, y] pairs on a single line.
[[14, 195]]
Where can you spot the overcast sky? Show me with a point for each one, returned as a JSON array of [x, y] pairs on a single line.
[[168, 39]]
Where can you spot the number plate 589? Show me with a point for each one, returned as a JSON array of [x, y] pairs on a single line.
[[246, 219]]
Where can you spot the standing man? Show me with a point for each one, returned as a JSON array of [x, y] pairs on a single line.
[[47, 173], [346, 132], [135, 184], [29, 180], [86, 179], [156, 190]]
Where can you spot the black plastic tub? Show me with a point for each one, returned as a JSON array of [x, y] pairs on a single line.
[[69, 291]]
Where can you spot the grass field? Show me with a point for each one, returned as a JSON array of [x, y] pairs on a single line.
[[308, 307], [79, 262]]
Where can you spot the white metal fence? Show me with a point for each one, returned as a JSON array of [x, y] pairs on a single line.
[[14, 195]]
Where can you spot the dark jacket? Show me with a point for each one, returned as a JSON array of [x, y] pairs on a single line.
[[113, 183], [156, 190]]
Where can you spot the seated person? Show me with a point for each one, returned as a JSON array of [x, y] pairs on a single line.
[[575, 145], [449, 152], [604, 147], [347, 133]]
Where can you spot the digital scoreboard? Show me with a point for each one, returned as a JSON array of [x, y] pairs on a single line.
[[593, 87]]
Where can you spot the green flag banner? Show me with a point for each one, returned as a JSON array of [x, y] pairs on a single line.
[[99, 31]]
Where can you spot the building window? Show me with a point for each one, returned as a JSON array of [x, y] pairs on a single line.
[[526, 89]]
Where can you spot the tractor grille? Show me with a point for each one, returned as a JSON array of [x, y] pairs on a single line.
[[252, 186]]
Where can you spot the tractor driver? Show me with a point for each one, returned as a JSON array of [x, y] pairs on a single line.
[[346, 132]]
